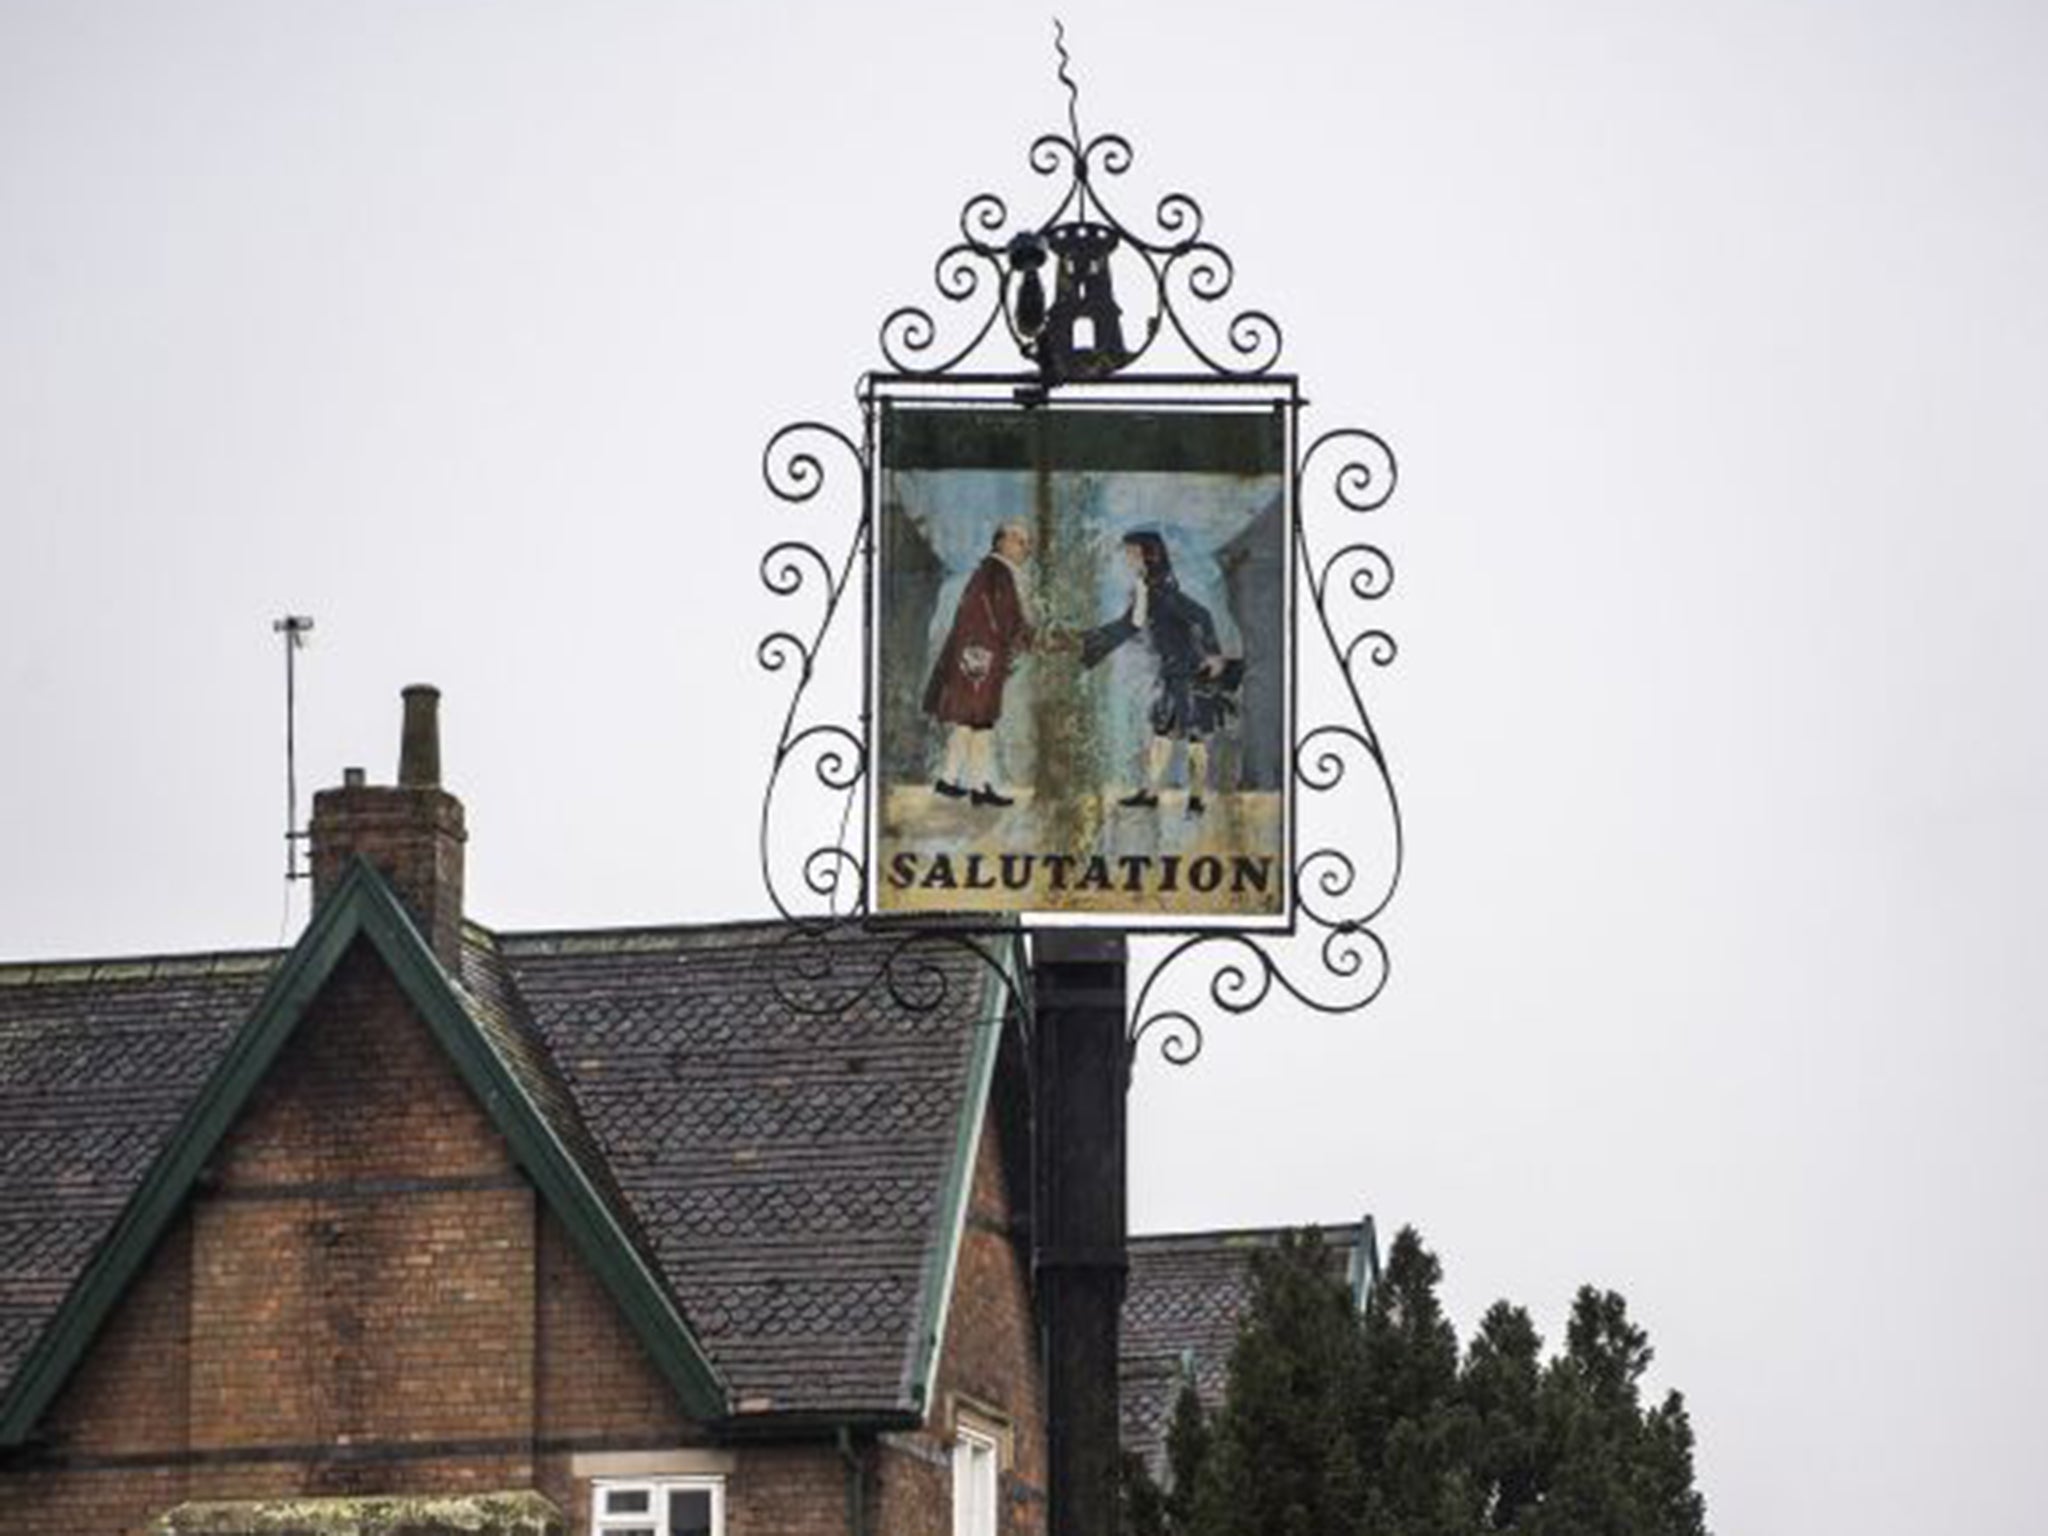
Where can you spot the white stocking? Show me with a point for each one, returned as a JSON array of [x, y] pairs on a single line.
[[953, 767], [981, 760], [1158, 753]]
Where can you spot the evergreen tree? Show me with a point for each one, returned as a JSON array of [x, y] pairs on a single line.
[[1141, 1507], [1503, 1373], [1612, 1470], [1665, 1472], [1281, 1459], [1334, 1425], [1414, 1435], [1149, 1510], [1187, 1453]]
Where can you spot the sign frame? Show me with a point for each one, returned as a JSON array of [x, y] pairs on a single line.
[[882, 396]]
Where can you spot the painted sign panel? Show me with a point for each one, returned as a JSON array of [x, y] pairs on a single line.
[[1081, 668]]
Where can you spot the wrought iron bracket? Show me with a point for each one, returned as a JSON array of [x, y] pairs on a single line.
[[992, 286]]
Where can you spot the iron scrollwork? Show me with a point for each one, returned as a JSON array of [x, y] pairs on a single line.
[[991, 278], [1339, 767], [1333, 960], [814, 868], [829, 751]]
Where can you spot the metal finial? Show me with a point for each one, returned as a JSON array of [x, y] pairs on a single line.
[[1059, 43]]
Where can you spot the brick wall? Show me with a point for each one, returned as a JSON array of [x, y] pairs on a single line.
[[788, 1491], [594, 1382], [127, 1399], [397, 1242], [988, 1368]]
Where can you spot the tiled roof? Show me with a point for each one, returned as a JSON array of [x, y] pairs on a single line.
[[98, 1061], [785, 1170], [492, 1001], [1184, 1298], [782, 1175]]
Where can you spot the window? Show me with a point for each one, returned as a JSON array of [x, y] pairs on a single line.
[[660, 1506], [975, 1464]]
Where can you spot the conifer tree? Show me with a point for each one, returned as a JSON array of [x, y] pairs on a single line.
[[1333, 1425], [1149, 1510], [1499, 1385], [1666, 1470], [1612, 1470], [1141, 1506], [1282, 1459], [1414, 1434], [1187, 1453]]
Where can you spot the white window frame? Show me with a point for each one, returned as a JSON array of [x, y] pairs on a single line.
[[976, 1447], [655, 1517]]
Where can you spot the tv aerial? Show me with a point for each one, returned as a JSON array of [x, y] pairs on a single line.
[[293, 629]]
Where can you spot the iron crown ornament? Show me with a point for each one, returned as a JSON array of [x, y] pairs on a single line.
[[992, 279], [1081, 336]]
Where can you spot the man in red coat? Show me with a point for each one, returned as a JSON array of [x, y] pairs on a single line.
[[991, 626]]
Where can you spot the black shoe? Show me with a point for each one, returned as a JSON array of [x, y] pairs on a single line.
[[1144, 799], [1195, 806], [951, 791], [986, 795]]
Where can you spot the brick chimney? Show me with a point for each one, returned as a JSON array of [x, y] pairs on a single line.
[[411, 831]]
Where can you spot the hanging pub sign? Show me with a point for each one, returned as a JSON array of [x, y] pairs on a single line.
[[1118, 618], [1081, 669]]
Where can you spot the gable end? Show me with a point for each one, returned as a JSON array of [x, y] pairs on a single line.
[[362, 906]]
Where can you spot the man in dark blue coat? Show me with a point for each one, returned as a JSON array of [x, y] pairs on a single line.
[[1191, 700]]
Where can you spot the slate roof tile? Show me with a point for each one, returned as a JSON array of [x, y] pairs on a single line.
[[785, 1169], [98, 1060]]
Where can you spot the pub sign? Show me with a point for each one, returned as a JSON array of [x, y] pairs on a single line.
[[1081, 669]]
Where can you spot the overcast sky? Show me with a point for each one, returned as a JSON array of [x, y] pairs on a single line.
[[1712, 339]]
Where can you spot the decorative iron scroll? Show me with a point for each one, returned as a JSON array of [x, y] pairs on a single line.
[[829, 961], [990, 278], [826, 969], [825, 880], [1335, 961], [813, 831]]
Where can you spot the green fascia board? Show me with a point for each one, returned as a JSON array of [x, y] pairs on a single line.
[[362, 906], [949, 1230]]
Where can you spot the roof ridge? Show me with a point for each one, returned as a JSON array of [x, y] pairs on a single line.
[[840, 929], [622, 930], [207, 962], [1243, 1236], [497, 939]]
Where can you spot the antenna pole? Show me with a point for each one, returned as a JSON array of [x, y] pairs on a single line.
[[293, 627]]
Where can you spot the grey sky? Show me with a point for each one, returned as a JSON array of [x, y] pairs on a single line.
[[1712, 339]]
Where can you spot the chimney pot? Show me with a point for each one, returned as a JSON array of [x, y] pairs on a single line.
[[353, 778], [419, 747]]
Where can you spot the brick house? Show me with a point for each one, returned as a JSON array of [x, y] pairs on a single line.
[[417, 1226]]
